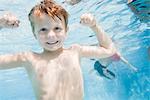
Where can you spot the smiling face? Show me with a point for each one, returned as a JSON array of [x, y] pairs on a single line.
[[50, 32]]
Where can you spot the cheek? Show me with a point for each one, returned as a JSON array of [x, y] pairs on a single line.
[[63, 33], [62, 36], [40, 38]]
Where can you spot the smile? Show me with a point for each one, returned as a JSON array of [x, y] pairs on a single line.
[[52, 43]]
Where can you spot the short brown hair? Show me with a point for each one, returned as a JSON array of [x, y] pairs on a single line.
[[50, 8]]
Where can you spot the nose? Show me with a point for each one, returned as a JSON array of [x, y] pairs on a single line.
[[51, 34]]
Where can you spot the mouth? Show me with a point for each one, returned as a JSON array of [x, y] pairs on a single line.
[[52, 43]]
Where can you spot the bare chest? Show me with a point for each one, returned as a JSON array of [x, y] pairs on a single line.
[[59, 74], [59, 66]]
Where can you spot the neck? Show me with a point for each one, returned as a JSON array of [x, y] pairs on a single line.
[[56, 52]]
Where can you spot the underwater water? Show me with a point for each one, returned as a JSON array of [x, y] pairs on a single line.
[[131, 36]]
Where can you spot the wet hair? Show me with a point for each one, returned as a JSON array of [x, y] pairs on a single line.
[[50, 8]]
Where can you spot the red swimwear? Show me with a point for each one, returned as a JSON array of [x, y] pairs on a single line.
[[115, 57]]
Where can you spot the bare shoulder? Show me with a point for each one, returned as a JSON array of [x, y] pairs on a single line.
[[29, 54], [25, 56], [75, 47]]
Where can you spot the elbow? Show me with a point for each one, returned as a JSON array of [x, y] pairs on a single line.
[[105, 53], [111, 50], [109, 53]]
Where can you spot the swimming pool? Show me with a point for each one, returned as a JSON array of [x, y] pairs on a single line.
[[130, 35]]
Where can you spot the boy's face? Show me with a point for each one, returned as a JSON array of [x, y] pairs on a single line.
[[50, 32]]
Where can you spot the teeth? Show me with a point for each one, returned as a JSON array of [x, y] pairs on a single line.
[[52, 43]]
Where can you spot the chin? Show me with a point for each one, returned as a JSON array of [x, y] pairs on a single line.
[[53, 48]]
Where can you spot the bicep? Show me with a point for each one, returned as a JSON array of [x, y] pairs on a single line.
[[95, 51], [12, 60]]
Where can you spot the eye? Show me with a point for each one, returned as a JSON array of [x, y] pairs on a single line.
[[57, 28], [43, 29]]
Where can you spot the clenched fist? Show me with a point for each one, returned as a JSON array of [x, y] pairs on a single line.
[[88, 19]]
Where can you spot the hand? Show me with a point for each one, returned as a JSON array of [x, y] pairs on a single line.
[[88, 19], [8, 20]]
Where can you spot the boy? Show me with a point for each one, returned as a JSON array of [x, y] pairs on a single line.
[[55, 73]]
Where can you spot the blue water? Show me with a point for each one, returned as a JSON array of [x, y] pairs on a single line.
[[132, 37]]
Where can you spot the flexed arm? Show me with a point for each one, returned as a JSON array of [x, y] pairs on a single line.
[[104, 40], [12, 60], [106, 47]]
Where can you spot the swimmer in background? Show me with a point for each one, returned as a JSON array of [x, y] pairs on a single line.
[[129, 1], [8, 20], [101, 65], [55, 73], [71, 2]]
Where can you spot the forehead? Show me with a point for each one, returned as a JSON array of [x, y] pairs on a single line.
[[44, 19]]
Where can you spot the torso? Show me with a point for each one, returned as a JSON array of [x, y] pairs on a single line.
[[58, 78]]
